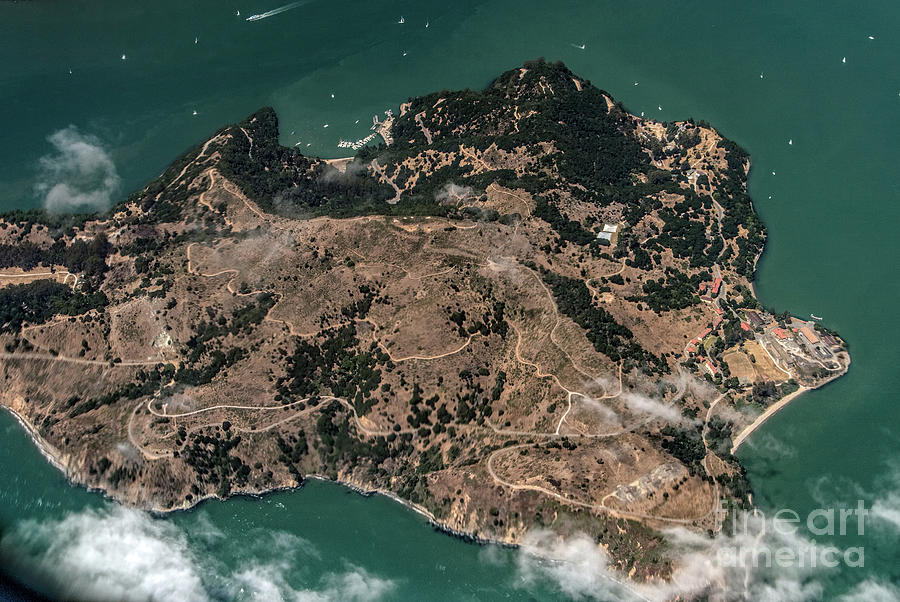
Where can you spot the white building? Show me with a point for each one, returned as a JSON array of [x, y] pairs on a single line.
[[605, 237]]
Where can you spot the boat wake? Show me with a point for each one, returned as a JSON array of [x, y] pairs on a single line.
[[276, 11]]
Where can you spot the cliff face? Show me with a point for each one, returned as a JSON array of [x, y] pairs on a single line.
[[497, 318]]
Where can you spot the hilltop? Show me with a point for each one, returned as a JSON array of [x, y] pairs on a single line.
[[530, 309]]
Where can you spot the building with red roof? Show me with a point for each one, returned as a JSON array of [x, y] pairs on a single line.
[[807, 332]]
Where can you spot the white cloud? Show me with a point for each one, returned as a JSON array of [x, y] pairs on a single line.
[[768, 446], [123, 554], [576, 566], [268, 582], [117, 554], [702, 566], [886, 507], [642, 404], [604, 412], [453, 193], [356, 585], [79, 175], [872, 590]]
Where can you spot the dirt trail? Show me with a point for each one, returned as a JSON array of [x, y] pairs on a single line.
[[74, 360], [380, 171], [366, 430]]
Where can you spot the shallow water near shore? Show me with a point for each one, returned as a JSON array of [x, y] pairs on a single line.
[[763, 74]]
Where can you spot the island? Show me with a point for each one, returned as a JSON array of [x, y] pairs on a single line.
[[526, 308]]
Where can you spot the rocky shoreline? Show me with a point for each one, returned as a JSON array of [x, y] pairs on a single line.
[[53, 456]]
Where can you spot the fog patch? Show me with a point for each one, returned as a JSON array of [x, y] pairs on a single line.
[[886, 507], [342, 172], [78, 176], [453, 193], [204, 530], [290, 203], [117, 553], [576, 566], [769, 446], [702, 566], [830, 490], [112, 554], [128, 451], [872, 590], [641, 404], [598, 408], [268, 582]]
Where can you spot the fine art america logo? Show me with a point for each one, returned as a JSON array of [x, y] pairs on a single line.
[[777, 542]]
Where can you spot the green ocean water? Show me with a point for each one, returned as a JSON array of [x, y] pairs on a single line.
[[832, 207]]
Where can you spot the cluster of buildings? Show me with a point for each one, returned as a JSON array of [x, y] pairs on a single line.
[[796, 343], [710, 291]]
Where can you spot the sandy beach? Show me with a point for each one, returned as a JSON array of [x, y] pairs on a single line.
[[765, 416]]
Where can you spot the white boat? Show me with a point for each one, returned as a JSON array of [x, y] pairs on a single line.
[[124, 57], [814, 317], [426, 24], [196, 40], [401, 21]]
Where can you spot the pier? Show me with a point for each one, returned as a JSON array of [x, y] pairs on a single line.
[[383, 128]]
